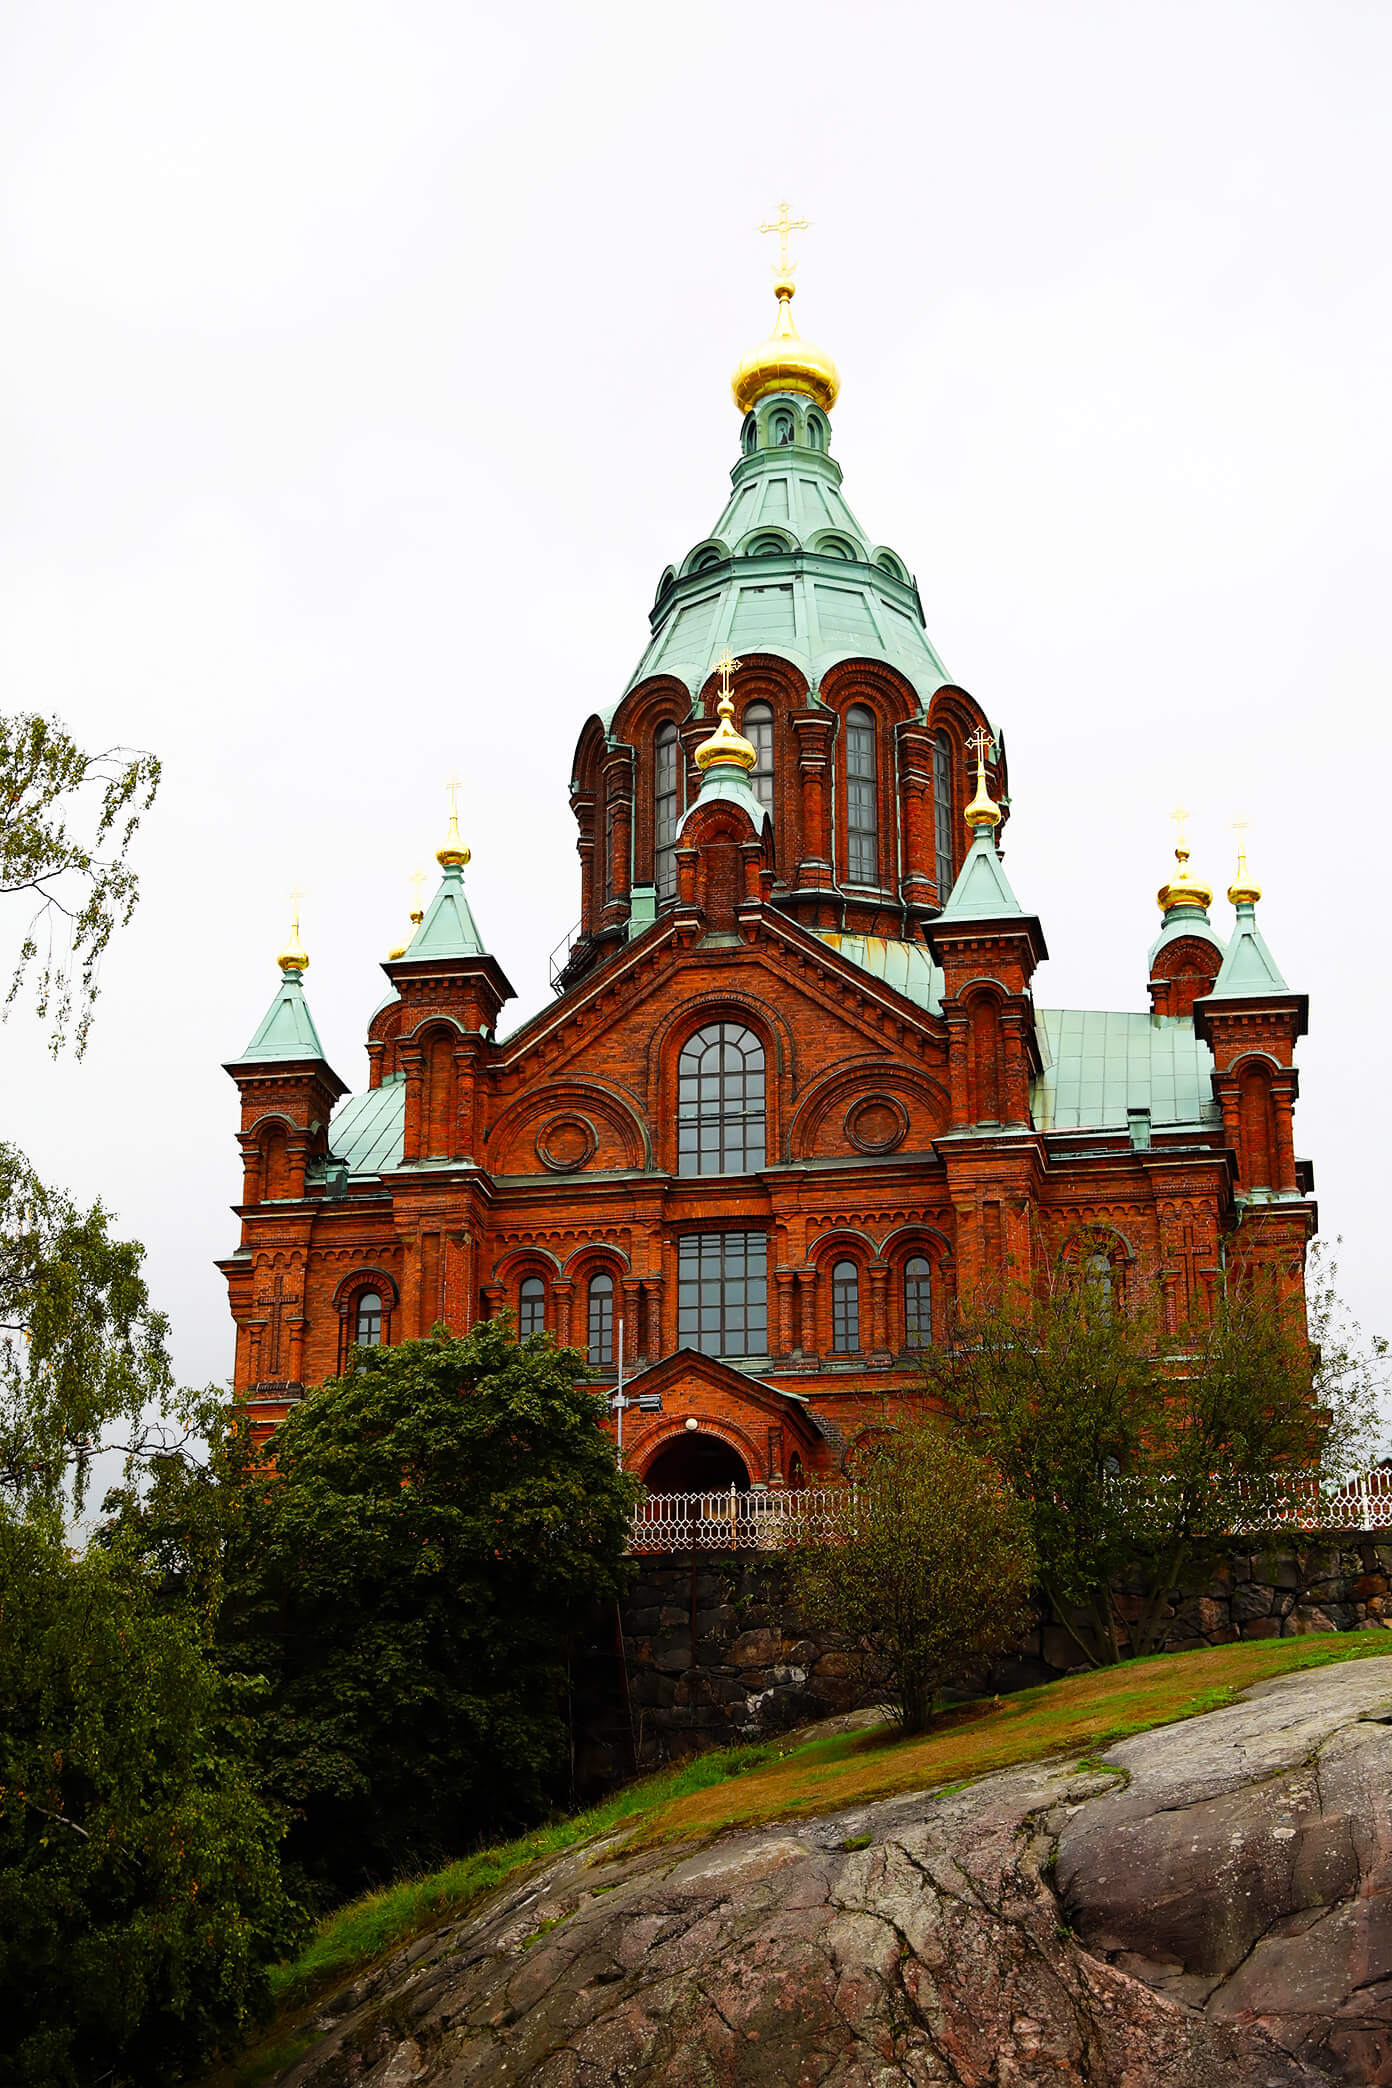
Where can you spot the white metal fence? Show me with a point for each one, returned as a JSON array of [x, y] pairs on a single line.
[[746, 1521]]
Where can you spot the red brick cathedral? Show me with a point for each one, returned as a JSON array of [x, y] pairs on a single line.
[[793, 1099]]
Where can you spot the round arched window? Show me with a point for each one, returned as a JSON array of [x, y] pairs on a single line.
[[845, 1308], [918, 1303], [531, 1307], [600, 1328], [367, 1323], [720, 1101]]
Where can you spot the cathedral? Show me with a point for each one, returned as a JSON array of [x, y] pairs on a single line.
[[793, 1099]]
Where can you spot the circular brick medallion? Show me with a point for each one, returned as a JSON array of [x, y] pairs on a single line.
[[566, 1143], [877, 1123]]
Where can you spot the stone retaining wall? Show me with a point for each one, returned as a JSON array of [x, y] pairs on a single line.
[[716, 1653]]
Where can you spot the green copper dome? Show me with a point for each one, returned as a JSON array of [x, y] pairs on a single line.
[[788, 569]]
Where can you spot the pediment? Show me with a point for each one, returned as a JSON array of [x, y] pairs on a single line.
[[689, 1367]]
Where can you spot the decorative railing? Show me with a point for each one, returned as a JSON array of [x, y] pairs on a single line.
[[734, 1520]]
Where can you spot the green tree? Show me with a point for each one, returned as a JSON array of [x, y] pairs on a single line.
[[929, 1568], [141, 1900], [67, 821], [408, 1564], [1139, 1454], [83, 1357]]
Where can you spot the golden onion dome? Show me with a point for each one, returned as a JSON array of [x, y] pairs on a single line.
[[453, 852], [1182, 889], [294, 957], [785, 362], [983, 811], [725, 744]]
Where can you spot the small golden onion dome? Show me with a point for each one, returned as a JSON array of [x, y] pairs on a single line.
[[294, 957], [785, 362], [983, 811], [454, 852], [725, 744], [1182, 889], [1244, 889]]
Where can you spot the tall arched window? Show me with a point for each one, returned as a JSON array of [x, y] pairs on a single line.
[[720, 1101], [1099, 1279], [845, 1308], [918, 1303], [531, 1307], [942, 813], [862, 822], [665, 811], [757, 727], [601, 1320], [367, 1323]]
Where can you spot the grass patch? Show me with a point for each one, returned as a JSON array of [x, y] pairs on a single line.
[[747, 1786], [1082, 1715]]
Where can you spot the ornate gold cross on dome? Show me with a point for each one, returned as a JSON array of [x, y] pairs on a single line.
[[983, 746], [454, 786], [725, 666], [1180, 816], [783, 224]]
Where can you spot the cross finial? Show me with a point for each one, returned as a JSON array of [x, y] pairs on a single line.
[[295, 898], [983, 810], [783, 224], [417, 910], [292, 958], [726, 666], [982, 745], [454, 854]]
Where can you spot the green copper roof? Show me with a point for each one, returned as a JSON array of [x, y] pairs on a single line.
[[287, 1029], [789, 570], [448, 928], [726, 782], [1249, 966], [982, 891], [1181, 921], [906, 966], [366, 1131], [1103, 1064]]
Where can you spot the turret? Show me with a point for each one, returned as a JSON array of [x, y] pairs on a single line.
[[988, 948], [1251, 1021], [451, 991], [723, 854], [287, 1086], [1186, 955]]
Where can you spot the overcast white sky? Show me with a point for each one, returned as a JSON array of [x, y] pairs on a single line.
[[364, 365]]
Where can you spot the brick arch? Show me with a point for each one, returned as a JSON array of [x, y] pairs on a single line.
[[664, 1051], [596, 1251], [899, 1248], [517, 1260], [667, 1432], [367, 1278], [587, 1098], [844, 1083]]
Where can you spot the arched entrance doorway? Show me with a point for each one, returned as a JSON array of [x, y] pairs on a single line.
[[696, 1463]]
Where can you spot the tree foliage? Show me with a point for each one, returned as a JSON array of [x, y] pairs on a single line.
[[67, 821], [930, 1569], [408, 1565], [141, 1900], [82, 1350], [1138, 1453]]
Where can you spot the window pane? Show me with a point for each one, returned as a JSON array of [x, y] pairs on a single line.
[[845, 1307], [942, 813], [368, 1324], [918, 1307], [601, 1320], [531, 1306], [722, 1304], [862, 812], [665, 811], [757, 727], [720, 1102]]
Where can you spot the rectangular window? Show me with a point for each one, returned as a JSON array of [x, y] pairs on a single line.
[[665, 812], [722, 1293], [942, 813]]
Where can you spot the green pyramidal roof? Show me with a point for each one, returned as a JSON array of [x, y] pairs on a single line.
[[448, 928], [287, 1029], [982, 891], [1249, 966]]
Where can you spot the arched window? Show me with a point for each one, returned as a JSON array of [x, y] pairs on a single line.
[[766, 546], [845, 1308], [749, 435], [720, 1101], [601, 1320], [367, 1323], [757, 727], [531, 1307], [816, 432], [781, 429], [862, 822], [1099, 1280], [665, 811], [918, 1303], [942, 812]]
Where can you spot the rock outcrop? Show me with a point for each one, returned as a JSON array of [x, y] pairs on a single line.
[[1209, 1908]]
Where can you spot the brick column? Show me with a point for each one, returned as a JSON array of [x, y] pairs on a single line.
[[807, 1317], [785, 1281], [815, 730], [564, 1296]]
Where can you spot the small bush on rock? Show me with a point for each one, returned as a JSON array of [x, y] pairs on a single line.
[[929, 1570]]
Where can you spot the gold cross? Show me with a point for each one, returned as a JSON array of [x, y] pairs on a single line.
[[295, 898], [725, 666], [418, 879], [783, 225], [983, 746], [1239, 827], [1180, 816], [454, 786]]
